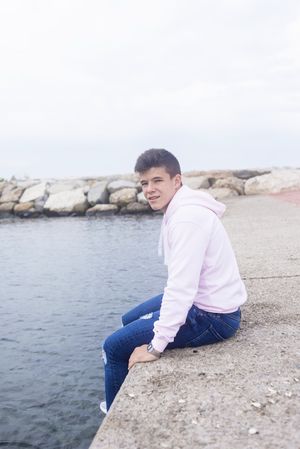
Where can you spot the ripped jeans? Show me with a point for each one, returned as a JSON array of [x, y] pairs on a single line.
[[200, 328]]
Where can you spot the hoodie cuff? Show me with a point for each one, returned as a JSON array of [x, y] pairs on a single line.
[[159, 344]]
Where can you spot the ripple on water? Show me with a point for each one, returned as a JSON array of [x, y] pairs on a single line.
[[17, 444]]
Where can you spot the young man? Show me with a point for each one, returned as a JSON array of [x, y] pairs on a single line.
[[201, 301]]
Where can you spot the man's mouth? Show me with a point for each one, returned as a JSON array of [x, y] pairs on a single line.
[[152, 198]]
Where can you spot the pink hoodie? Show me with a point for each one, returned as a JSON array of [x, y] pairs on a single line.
[[202, 268]]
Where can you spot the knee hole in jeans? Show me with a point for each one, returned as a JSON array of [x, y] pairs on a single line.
[[147, 316], [104, 355]]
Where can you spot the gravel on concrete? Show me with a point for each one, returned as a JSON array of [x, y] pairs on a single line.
[[242, 393]]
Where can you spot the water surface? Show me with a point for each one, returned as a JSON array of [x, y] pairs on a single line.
[[64, 282]]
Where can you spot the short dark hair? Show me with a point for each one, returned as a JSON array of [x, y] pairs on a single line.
[[158, 158]]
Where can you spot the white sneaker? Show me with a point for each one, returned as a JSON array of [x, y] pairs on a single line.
[[103, 407]]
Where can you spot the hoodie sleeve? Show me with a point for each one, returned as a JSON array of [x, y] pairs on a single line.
[[188, 242]]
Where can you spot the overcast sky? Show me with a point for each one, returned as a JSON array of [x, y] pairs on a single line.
[[87, 85]]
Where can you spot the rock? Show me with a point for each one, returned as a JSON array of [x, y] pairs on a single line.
[[66, 203], [6, 209], [120, 184], [138, 186], [196, 182], [40, 203], [26, 210], [26, 183], [3, 184], [134, 177], [102, 209], [86, 189], [213, 176], [92, 182], [34, 193], [210, 173], [221, 193], [256, 404], [98, 193], [279, 180], [11, 194], [141, 198], [271, 391], [230, 182], [66, 185], [123, 197], [134, 208], [247, 174], [252, 431]]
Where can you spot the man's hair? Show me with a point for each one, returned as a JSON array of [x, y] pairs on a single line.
[[157, 158]]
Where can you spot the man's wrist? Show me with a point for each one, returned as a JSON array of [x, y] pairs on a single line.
[[152, 350]]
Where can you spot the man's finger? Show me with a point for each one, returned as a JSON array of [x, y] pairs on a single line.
[[130, 363]]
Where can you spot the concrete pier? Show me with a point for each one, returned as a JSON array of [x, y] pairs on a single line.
[[240, 394]]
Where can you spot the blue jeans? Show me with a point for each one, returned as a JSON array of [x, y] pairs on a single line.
[[200, 328]]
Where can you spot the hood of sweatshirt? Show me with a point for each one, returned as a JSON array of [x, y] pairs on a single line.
[[189, 197], [186, 196]]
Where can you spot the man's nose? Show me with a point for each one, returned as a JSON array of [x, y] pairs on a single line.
[[149, 188]]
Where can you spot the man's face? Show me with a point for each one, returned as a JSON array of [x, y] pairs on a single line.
[[158, 187]]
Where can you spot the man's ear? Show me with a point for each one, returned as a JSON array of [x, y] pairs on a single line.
[[178, 180]]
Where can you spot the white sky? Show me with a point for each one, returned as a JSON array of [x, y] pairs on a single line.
[[87, 85]]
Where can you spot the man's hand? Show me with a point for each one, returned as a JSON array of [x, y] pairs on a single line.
[[140, 354]]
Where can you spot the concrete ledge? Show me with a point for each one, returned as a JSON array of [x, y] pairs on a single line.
[[239, 394]]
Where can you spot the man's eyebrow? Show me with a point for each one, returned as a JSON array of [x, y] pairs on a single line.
[[152, 179]]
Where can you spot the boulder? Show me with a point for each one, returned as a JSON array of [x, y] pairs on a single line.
[[210, 173], [11, 193], [141, 198], [196, 182], [86, 189], [136, 208], [91, 182], [26, 183], [26, 210], [247, 174], [138, 186], [102, 209], [123, 197], [3, 184], [6, 209], [134, 177], [40, 203], [34, 193], [279, 180], [232, 183], [98, 193], [221, 193], [114, 186], [66, 185], [214, 176], [67, 203]]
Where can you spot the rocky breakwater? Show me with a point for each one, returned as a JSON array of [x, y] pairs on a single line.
[[123, 194]]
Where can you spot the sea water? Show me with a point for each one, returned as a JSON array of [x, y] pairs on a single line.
[[64, 284]]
